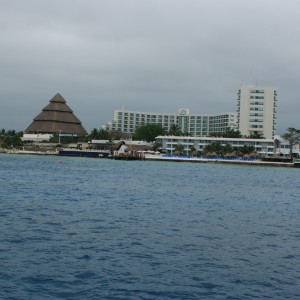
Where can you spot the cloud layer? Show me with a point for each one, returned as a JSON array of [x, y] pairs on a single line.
[[148, 55]]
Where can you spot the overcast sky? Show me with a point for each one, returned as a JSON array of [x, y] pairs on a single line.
[[146, 55]]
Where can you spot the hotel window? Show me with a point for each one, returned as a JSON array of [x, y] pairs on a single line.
[[256, 114], [257, 91], [256, 120], [256, 103]]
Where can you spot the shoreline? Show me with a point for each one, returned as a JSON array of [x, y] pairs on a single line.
[[28, 152], [221, 161], [149, 157]]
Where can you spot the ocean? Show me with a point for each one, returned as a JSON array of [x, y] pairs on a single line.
[[84, 228]]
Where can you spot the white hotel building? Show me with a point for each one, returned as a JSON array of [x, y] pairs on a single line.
[[256, 110], [169, 143], [194, 124]]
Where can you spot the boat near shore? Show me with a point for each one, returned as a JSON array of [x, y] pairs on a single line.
[[85, 153], [297, 162]]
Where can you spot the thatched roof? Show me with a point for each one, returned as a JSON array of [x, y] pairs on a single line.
[[131, 147], [56, 117]]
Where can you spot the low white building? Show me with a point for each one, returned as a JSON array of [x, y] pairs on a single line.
[[282, 147], [37, 137], [168, 143]]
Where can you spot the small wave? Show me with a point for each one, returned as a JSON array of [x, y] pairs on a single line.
[[85, 257], [86, 275]]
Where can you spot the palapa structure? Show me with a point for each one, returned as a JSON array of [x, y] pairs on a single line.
[[56, 117]]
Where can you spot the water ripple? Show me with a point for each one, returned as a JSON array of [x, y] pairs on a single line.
[[101, 229]]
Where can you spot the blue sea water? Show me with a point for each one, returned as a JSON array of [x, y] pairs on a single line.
[[82, 228]]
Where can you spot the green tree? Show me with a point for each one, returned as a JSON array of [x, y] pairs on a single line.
[[229, 133], [293, 137], [193, 150], [179, 148], [215, 134], [94, 135], [213, 147], [17, 139], [255, 135], [11, 138], [118, 135], [227, 149], [157, 145], [148, 132], [174, 130], [247, 149], [105, 134]]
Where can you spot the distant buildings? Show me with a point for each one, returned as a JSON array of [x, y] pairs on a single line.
[[282, 147], [169, 143], [194, 124], [256, 113], [256, 110]]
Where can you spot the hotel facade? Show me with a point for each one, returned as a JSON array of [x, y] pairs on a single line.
[[194, 124], [256, 110], [169, 143], [256, 113]]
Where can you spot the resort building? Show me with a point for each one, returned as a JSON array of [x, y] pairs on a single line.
[[194, 124], [56, 117], [283, 147], [169, 143], [256, 114], [256, 110]]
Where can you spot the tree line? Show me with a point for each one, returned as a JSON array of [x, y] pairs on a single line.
[[149, 132], [10, 138]]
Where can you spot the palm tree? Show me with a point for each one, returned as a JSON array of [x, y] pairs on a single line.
[[193, 150], [103, 134], [231, 133], [214, 147], [174, 130], [246, 150], [179, 148], [293, 137], [256, 135], [94, 134], [227, 149]]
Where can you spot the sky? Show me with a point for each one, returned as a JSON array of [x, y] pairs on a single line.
[[146, 55]]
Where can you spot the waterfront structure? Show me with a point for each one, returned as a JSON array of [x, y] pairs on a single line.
[[194, 124], [169, 143], [256, 110], [282, 147], [57, 117], [36, 137]]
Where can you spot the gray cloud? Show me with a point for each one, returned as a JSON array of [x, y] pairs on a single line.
[[148, 55]]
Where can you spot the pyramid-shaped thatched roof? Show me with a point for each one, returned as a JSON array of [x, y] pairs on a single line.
[[56, 117]]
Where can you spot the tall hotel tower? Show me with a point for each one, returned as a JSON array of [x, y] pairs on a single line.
[[256, 110]]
